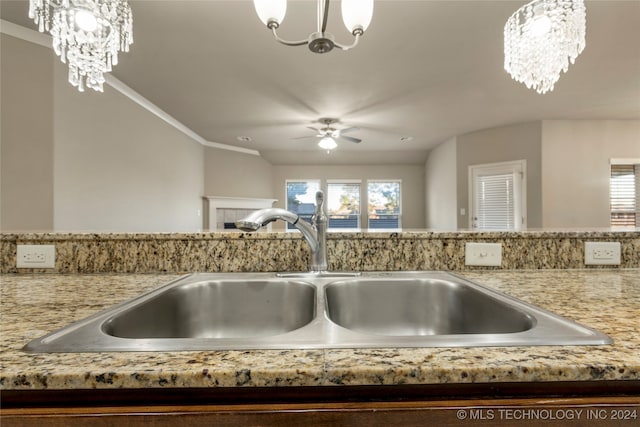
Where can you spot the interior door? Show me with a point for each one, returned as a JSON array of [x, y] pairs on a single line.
[[497, 194]]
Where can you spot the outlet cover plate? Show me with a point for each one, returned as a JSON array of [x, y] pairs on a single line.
[[36, 256], [483, 254], [602, 253]]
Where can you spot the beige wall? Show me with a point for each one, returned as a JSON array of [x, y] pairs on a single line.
[[26, 138], [441, 187], [233, 174], [114, 166], [120, 168], [412, 176], [90, 161], [576, 168], [502, 144]]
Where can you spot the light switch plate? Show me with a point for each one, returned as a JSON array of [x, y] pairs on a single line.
[[36, 256], [602, 253], [484, 254]]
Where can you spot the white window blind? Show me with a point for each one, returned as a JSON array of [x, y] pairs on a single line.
[[624, 197], [497, 195], [495, 202]]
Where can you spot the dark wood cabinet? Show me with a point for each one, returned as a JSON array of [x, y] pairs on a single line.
[[594, 412], [601, 404]]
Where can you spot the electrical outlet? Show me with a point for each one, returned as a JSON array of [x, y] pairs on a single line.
[[602, 253], [36, 256], [485, 254]]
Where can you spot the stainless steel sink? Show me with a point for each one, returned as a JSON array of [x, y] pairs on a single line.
[[419, 307], [218, 309], [238, 311]]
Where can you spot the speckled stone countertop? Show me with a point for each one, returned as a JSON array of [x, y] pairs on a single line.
[[32, 305], [165, 253]]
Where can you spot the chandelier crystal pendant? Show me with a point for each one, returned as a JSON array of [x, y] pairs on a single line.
[[356, 14], [541, 39], [87, 34]]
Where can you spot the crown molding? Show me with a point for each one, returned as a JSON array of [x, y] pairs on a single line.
[[41, 39]]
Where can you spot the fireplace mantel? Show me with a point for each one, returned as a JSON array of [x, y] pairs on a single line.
[[215, 205]]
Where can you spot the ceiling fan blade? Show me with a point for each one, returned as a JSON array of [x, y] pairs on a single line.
[[351, 129], [314, 129], [307, 137], [351, 139]]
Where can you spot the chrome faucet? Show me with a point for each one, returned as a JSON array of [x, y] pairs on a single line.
[[314, 233]]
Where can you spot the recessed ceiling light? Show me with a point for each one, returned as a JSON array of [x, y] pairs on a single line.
[[406, 138], [244, 138]]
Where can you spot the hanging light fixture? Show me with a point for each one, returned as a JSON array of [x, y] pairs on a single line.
[[356, 15], [87, 34], [541, 38]]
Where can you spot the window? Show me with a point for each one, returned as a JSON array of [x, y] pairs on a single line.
[[383, 198], [497, 193], [301, 198], [625, 180], [343, 204]]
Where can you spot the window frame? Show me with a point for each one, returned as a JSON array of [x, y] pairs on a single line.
[[363, 216], [634, 165]]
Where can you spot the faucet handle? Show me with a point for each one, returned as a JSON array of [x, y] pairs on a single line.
[[319, 214], [319, 199]]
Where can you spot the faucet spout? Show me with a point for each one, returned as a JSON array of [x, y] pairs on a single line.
[[314, 233], [263, 217]]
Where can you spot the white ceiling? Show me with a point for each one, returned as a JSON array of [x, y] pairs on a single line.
[[427, 69]]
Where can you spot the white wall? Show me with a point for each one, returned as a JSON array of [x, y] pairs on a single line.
[[115, 166], [502, 144], [234, 174], [120, 168], [576, 169], [441, 187], [26, 137]]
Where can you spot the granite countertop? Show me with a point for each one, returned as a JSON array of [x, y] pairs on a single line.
[[33, 305]]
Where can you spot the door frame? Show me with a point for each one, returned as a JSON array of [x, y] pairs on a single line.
[[518, 167]]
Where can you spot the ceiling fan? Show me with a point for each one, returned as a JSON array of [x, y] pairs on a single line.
[[329, 134]]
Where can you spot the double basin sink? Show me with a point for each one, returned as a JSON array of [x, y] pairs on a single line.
[[241, 311]]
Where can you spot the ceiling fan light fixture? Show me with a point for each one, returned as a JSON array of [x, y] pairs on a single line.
[[541, 39], [327, 143]]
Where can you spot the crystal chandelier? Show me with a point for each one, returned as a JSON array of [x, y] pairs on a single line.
[[87, 34], [541, 38], [356, 15]]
